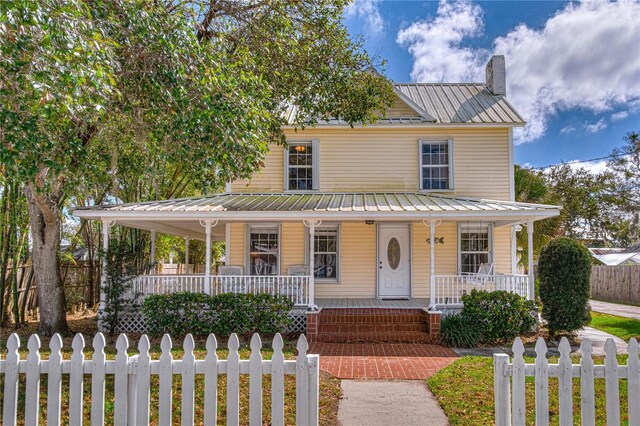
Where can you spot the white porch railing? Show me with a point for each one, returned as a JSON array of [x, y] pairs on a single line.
[[451, 288], [295, 287]]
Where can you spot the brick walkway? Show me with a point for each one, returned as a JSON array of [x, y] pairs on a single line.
[[404, 361]]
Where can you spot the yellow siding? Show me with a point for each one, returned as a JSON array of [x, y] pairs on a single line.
[[358, 263], [293, 252], [269, 179], [502, 250], [401, 109], [236, 249], [386, 159]]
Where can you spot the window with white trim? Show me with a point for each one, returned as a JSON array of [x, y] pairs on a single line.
[[436, 168], [301, 166], [327, 252], [475, 241], [263, 250]]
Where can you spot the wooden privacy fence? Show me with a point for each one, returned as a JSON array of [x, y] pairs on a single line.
[[132, 381], [509, 384], [619, 283]]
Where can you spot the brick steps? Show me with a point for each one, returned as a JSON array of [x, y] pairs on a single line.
[[372, 325]]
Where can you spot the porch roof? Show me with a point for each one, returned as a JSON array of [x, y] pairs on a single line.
[[230, 207]]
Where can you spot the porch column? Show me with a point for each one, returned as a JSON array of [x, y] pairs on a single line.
[[153, 250], [186, 255], [514, 248], [312, 263], [530, 259], [227, 244], [311, 224], [103, 275], [207, 266], [432, 264]]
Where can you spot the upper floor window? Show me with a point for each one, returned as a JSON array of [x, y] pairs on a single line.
[[436, 168], [301, 161]]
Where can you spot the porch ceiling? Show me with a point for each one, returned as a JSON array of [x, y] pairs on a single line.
[[182, 216]]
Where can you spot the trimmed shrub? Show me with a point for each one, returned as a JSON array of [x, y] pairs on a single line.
[[564, 269], [223, 314], [500, 315], [459, 331]]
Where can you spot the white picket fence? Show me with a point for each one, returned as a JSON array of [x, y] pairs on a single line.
[[132, 381], [509, 384]]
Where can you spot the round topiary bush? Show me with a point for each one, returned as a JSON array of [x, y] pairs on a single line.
[[564, 270]]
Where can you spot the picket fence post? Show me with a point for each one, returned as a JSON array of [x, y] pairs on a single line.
[[611, 372], [132, 381]]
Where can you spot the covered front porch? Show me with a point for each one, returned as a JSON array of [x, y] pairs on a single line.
[[356, 250]]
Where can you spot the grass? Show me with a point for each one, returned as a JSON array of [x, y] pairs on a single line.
[[465, 392], [329, 386], [624, 328]]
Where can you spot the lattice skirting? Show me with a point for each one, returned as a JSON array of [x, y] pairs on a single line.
[[298, 321], [132, 321]]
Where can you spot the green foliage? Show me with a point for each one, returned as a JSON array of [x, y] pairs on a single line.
[[531, 187], [564, 269], [460, 331], [223, 314], [500, 315], [488, 317]]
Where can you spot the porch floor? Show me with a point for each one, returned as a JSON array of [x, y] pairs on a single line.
[[417, 303]]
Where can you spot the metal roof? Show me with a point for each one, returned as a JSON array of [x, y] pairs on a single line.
[[443, 103], [347, 202], [461, 103]]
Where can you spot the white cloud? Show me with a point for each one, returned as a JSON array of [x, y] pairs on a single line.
[[595, 127], [435, 44], [619, 115], [593, 167], [369, 12], [568, 129], [585, 56]]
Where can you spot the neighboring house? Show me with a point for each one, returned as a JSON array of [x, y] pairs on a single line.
[[613, 256], [418, 207]]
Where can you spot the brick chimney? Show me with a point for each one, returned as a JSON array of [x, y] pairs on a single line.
[[496, 75]]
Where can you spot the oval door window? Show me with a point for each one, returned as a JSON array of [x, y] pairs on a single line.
[[393, 253]]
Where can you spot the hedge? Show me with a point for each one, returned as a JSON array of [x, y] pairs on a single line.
[[201, 314], [564, 269]]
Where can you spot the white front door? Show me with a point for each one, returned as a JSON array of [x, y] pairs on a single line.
[[394, 261]]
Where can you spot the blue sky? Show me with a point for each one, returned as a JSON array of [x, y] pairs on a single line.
[[573, 69]]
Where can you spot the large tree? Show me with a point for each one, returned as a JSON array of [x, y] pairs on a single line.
[[89, 90]]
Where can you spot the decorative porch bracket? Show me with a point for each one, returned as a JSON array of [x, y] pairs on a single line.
[[432, 224], [312, 224], [208, 225]]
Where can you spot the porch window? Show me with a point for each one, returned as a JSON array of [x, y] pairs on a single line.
[[301, 172], [327, 253], [436, 169], [263, 251], [475, 246]]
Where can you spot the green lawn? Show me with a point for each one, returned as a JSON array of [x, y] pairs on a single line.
[[465, 392], [624, 328]]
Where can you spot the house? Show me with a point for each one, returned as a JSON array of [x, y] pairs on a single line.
[[408, 213], [613, 256]]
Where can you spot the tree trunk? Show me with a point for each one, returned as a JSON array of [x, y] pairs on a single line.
[[45, 231]]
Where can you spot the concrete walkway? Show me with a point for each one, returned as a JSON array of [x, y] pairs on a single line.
[[376, 402], [598, 339], [616, 309]]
